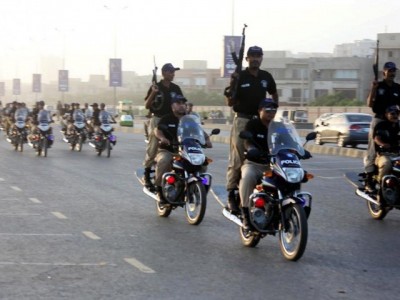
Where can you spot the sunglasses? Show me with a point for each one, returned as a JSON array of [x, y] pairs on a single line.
[[269, 109], [394, 113]]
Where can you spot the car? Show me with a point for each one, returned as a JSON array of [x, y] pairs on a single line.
[[294, 115], [344, 129], [126, 120], [320, 119]]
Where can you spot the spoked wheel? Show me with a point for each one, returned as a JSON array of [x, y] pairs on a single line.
[[108, 147], [44, 147], [377, 212], [79, 144], [249, 238], [293, 236], [21, 144], [163, 210], [196, 203]]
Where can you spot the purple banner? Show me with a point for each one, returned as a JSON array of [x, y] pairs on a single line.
[[63, 81], [231, 44], [16, 86], [115, 72], [37, 83]]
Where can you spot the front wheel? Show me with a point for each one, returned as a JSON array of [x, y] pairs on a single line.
[[340, 141], [377, 212], [108, 147], [318, 139], [293, 234], [196, 203], [21, 144], [80, 143], [44, 146]]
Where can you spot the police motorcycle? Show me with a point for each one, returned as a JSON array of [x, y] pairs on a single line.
[[277, 204], [187, 185], [104, 139], [76, 135], [19, 132], [41, 139], [387, 192]]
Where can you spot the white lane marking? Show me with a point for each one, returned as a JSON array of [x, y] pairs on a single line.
[[323, 177], [59, 215], [91, 235], [137, 264], [34, 200], [102, 263], [15, 188], [35, 234], [18, 214], [9, 199]]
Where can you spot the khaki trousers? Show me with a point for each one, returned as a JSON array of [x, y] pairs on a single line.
[[152, 146]]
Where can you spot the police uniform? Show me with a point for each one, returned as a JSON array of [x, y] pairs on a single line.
[[251, 90]]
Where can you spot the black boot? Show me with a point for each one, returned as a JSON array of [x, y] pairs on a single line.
[[233, 203], [158, 190], [246, 218], [370, 182], [147, 180]]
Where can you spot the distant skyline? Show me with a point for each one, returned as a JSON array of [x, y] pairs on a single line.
[[87, 33]]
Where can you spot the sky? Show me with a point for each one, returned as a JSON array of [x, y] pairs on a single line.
[[86, 33]]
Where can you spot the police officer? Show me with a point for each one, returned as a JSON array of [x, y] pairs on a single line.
[[158, 101], [253, 86], [383, 94]]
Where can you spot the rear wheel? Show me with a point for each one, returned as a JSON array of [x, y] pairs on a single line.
[[196, 203], [163, 210], [377, 212], [249, 238], [293, 235]]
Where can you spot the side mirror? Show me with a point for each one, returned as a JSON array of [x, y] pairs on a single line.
[[246, 135], [215, 131], [311, 136]]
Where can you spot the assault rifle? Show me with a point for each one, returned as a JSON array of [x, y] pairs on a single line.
[[157, 102], [238, 61], [375, 66]]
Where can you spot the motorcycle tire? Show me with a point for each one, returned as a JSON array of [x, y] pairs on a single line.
[[377, 212], [108, 147], [163, 210], [21, 144], [44, 147], [196, 203], [294, 233], [249, 238], [79, 144]]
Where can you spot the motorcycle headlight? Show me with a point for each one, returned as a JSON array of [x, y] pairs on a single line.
[[294, 175], [196, 158]]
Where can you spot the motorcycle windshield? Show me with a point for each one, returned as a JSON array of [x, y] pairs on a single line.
[[104, 117], [20, 118], [79, 116], [190, 128], [43, 117], [283, 136]]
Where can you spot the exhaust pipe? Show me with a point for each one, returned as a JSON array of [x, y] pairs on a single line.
[[366, 197]]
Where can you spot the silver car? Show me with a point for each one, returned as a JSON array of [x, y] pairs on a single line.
[[344, 129]]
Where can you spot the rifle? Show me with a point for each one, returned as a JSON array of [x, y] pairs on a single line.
[[157, 102], [238, 61], [375, 66]]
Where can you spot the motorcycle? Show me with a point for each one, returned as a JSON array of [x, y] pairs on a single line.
[[42, 138], [19, 133], [186, 185], [76, 136], [387, 193], [103, 140], [278, 205]]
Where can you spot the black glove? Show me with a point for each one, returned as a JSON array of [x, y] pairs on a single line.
[[253, 154], [307, 154]]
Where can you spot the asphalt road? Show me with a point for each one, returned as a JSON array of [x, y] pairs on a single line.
[[77, 226]]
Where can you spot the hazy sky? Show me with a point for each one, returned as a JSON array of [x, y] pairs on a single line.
[[87, 32]]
